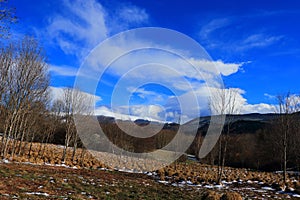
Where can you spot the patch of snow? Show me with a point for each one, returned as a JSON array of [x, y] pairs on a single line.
[[219, 186], [267, 188], [164, 182], [259, 191], [189, 183], [149, 174], [249, 188], [227, 183], [125, 170], [38, 193]]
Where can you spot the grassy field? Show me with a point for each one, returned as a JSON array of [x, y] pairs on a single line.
[[45, 177], [26, 181]]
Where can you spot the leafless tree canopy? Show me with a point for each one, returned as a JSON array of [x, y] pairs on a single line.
[[286, 129], [74, 103], [7, 16], [24, 85], [224, 102]]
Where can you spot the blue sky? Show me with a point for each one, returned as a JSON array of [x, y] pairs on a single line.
[[254, 44]]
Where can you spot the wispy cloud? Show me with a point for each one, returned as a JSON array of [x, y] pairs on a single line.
[[81, 28], [84, 24], [258, 40], [269, 96], [63, 70], [212, 26], [132, 15], [237, 33]]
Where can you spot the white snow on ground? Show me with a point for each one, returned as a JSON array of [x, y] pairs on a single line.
[[267, 188], [38, 193], [164, 182], [209, 186], [5, 161]]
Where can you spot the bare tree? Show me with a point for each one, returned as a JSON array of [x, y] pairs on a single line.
[[26, 83], [288, 106], [7, 16], [224, 102], [75, 103]]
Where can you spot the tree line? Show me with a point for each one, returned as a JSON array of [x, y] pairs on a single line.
[[27, 111]]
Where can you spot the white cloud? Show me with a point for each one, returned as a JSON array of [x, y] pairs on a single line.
[[269, 96], [63, 70], [145, 94], [147, 112], [221, 33], [212, 26], [57, 93], [190, 110], [155, 65], [132, 14], [218, 66], [88, 23], [258, 108], [185, 107], [187, 79], [82, 28], [258, 40], [84, 24]]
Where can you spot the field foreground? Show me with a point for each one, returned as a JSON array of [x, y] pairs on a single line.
[[28, 181], [45, 177]]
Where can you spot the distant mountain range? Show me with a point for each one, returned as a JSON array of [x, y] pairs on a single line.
[[242, 123]]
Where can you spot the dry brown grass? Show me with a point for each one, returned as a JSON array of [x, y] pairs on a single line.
[[231, 196]]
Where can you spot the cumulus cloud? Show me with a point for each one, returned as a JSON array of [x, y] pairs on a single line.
[[147, 112], [258, 108], [131, 60], [225, 69], [157, 64], [57, 93], [136, 60]]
